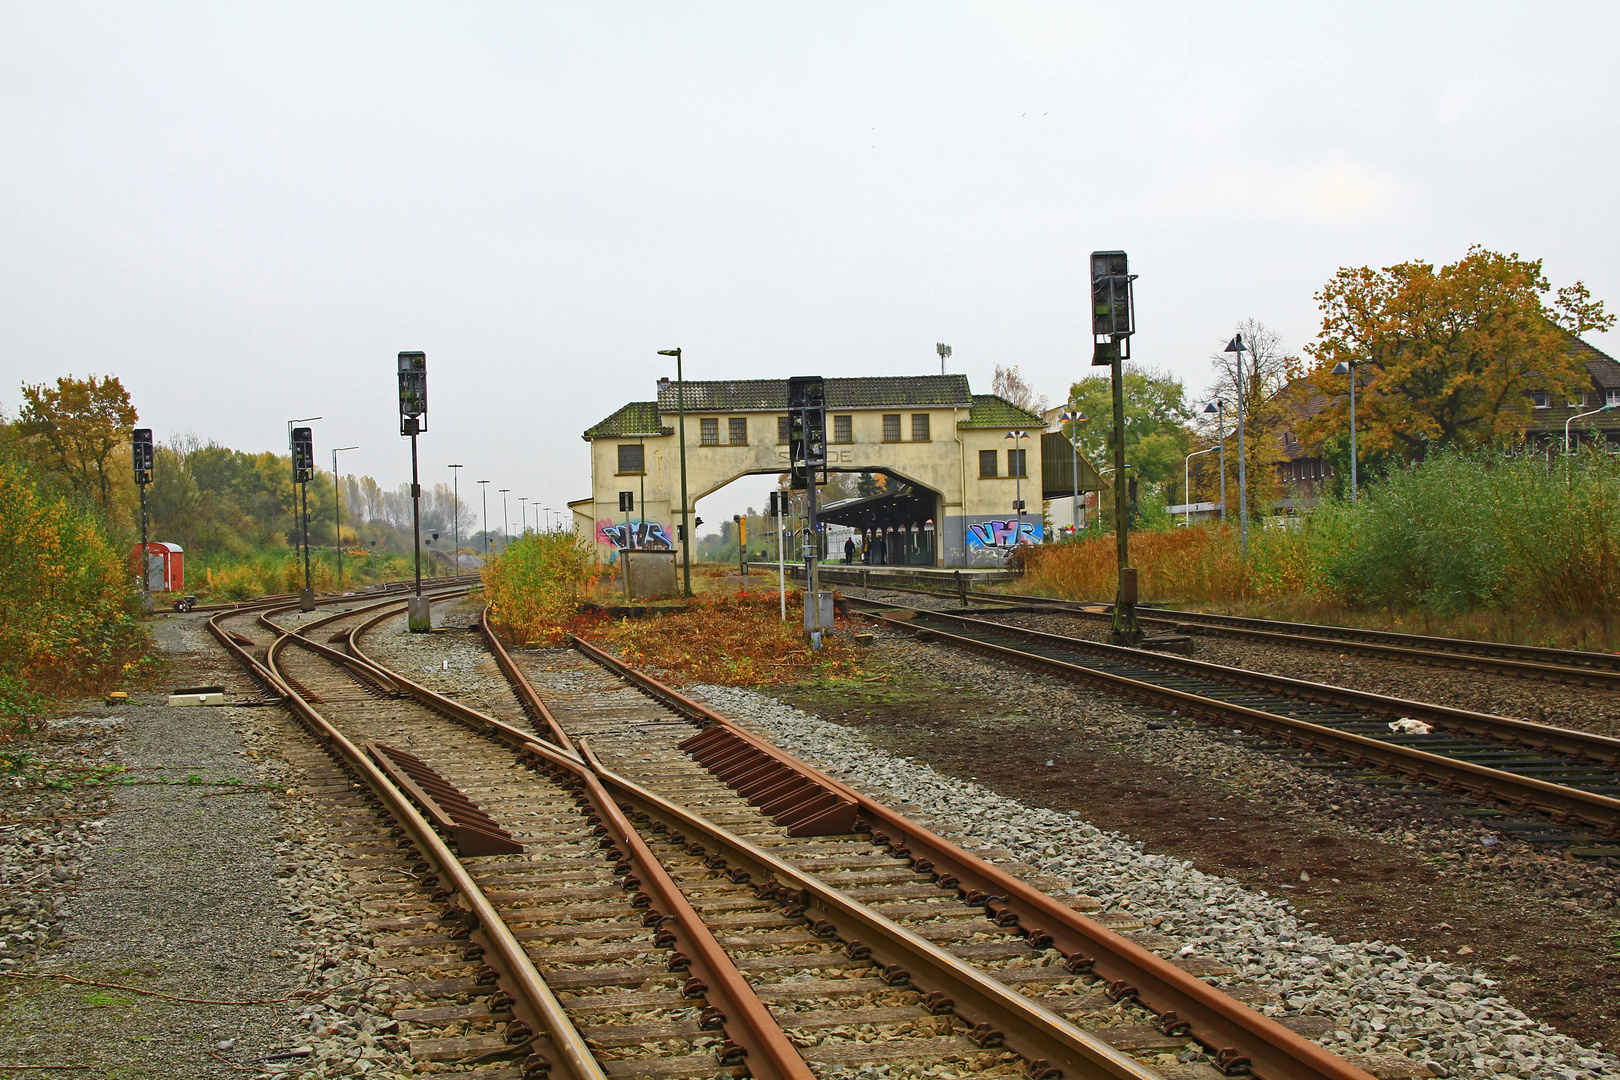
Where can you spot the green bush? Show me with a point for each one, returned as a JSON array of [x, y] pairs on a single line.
[[535, 586], [67, 597]]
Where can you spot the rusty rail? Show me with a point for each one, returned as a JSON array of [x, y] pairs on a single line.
[[1238, 1036], [1562, 803], [534, 1005]]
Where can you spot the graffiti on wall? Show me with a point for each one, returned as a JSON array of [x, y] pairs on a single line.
[[636, 535], [1004, 534]]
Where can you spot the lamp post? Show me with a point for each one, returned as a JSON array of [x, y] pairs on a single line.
[[484, 485], [1186, 481], [506, 520], [337, 510], [1073, 417], [1015, 437], [523, 512], [412, 422], [1348, 367], [1571, 420], [455, 512], [1236, 346], [944, 350], [1218, 407], [680, 409]]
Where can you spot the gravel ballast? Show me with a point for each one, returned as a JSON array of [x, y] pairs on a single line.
[[1380, 997]]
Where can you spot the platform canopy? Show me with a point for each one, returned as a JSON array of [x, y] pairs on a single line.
[[905, 507]]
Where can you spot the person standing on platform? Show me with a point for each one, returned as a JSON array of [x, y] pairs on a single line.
[[849, 550]]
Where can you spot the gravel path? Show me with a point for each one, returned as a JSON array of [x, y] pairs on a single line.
[[194, 869], [1378, 996]]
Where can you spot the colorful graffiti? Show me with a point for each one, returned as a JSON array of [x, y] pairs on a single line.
[[1004, 534], [638, 535]]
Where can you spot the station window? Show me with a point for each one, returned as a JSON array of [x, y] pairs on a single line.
[[987, 464], [891, 427], [1015, 463], [737, 429], [919, 427], [631, 459], [709, 431], [843, 429], [784, 431]]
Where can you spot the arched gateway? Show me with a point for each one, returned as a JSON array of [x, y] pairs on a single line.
[[947, 444]]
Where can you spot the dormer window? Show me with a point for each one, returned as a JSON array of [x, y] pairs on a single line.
[[1611, 397], [1540, 400]]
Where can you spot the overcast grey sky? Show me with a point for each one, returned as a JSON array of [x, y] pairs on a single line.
[[246, 210]]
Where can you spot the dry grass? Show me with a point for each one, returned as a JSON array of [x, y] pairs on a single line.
[[733, 639]]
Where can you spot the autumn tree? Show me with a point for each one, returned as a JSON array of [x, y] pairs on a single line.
[[73, 430], [1445, 357], [1008, 384]]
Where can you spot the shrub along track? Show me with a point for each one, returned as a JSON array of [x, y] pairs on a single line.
[[638, 982]]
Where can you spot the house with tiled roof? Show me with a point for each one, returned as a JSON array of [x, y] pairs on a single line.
[[962, 477]]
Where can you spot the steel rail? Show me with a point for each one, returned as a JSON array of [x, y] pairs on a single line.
[[526, 696], [1040, 1036], [1529, 661], [1562, 803], [1235, 1033], [748, 1025], [1603, 749], [533, 1002]]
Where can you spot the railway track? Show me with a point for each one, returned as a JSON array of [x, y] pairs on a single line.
[[1571, 777], [665, 916], [1573, 666]]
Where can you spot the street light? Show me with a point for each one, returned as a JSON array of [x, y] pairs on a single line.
[[1594, 412], [1073, 417], [944, 350], [484, 484], [523, 512], [1218, 407], [506, 521], [1015, 437], [337, 510], [680, 409], [1236, 346], [1186, 481], [455, 512], [1348, 367]]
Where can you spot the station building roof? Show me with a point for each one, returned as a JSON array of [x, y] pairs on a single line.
[[636, 418], [771, 395], [988, 410]]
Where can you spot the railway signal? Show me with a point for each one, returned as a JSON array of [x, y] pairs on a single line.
[[807, 447], [140, 442], [303, 468], [412, 422], [1113, 321]]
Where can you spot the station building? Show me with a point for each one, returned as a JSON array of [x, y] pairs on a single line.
[[960, 475]]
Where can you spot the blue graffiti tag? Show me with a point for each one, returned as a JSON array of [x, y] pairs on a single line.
[[1004, 534], [640, 535]]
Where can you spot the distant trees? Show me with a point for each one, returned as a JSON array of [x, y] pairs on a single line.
[[1008, 383], [70, 432], [1446, 355], [1156, 422]]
